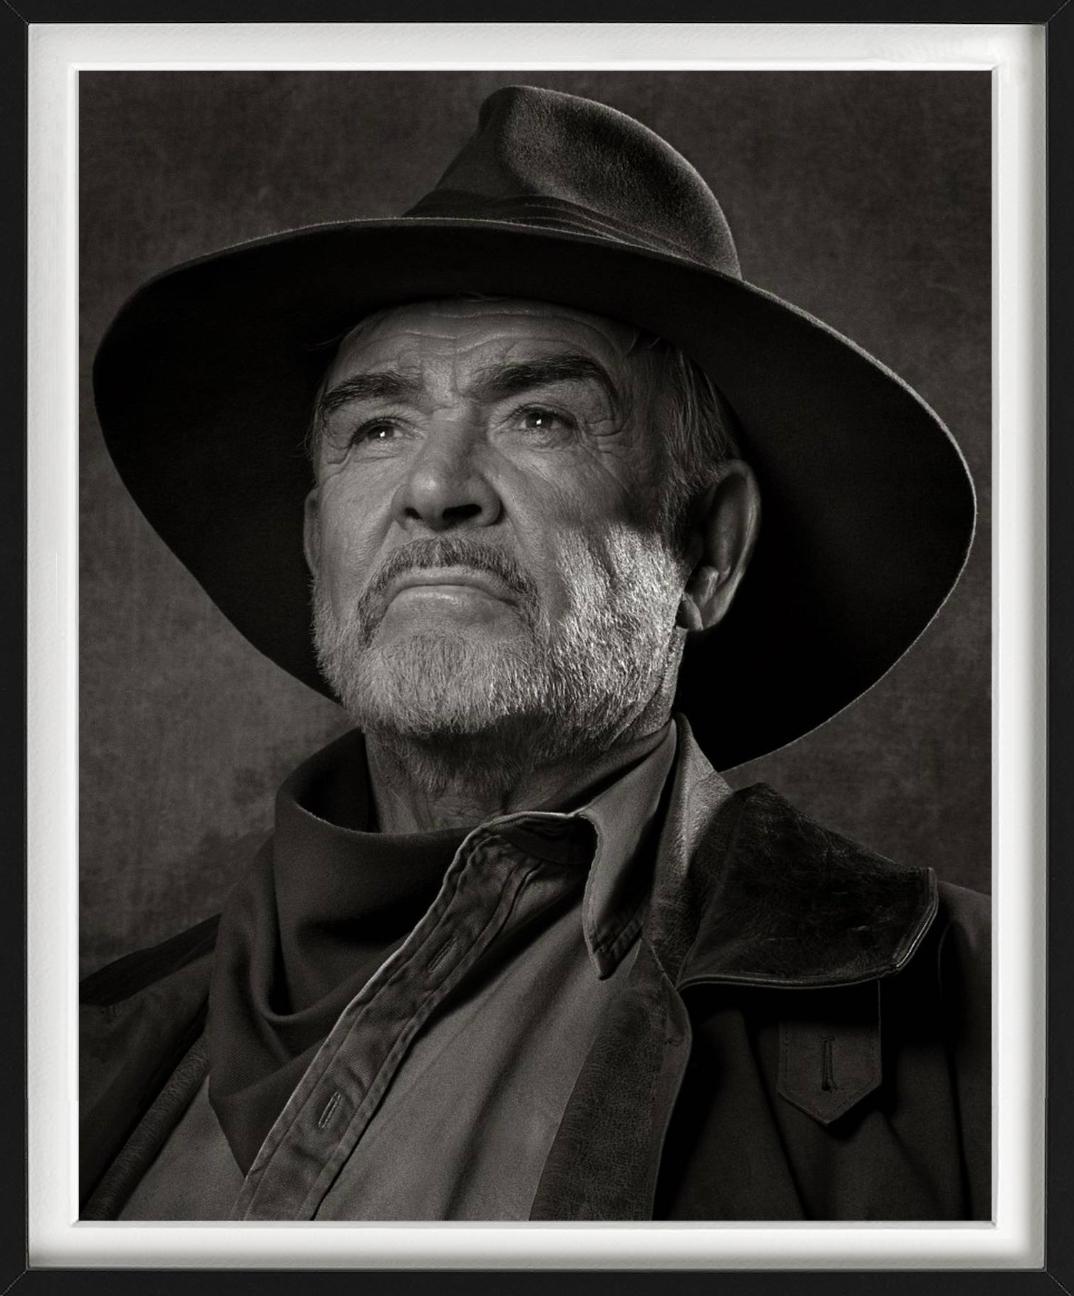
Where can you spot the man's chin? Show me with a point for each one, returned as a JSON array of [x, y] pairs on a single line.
[[402, 640], [433, 685], [453, 611]]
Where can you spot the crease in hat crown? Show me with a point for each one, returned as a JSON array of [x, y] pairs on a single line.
[[544, 157]]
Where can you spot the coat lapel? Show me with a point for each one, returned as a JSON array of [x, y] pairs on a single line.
[[788, 903]]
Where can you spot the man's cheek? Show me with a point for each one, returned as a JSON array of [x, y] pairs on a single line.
[[345, 569], [597, 488]]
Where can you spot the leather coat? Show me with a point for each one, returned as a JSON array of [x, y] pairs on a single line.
[[805, 1034]]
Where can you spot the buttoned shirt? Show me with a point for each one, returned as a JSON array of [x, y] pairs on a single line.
[[442, 1082]]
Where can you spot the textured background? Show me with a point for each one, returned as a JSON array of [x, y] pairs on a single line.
[[863, 197]]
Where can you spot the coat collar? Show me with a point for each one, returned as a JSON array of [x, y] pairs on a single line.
[[749, 891]]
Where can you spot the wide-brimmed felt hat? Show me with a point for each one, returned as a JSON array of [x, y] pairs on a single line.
[[206, 378]]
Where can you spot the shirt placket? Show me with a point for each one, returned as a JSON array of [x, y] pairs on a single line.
[[332, 1105]]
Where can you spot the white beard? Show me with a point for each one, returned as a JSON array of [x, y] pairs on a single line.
[[562, 688]]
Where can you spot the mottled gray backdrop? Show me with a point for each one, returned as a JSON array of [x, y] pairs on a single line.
[[864, 197]]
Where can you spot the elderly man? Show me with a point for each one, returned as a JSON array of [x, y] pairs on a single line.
[[515, 950]]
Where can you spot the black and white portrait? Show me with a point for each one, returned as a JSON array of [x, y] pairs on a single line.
[[535, 646]]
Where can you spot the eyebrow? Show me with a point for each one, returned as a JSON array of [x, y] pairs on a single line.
[[516, 378], [496, 383], [371, 386]]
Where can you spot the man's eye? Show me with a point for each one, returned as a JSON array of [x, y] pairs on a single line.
[[540, 419], [375, 432]]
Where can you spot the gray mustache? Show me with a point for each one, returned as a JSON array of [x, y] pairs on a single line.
[[447, 552]]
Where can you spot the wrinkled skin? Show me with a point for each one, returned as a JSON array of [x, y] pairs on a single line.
[[497, 604]]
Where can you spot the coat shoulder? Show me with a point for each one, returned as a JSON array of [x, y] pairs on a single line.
[[134, 972], [969, 916], [138, 1017]]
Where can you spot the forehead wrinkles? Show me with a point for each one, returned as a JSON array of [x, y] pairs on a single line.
[[451, 338]]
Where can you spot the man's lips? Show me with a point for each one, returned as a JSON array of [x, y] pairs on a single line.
[[444, 578]]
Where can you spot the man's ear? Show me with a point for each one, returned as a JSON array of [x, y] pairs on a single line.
[[725, 528], [311, 530]]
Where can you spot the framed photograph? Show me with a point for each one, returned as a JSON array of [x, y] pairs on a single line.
[[536, 649]]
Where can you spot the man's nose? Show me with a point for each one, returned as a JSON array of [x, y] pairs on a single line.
[[445, 486]]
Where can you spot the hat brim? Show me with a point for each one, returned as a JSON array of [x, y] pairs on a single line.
[[205, 380]]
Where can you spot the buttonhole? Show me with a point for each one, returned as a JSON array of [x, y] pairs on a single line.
[[827, 1063], [329, 1109], [441, 954]]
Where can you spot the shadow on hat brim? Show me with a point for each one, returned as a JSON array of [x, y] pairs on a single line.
[[205, 381]]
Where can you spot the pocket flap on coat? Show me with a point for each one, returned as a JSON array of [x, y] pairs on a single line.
[[830, 1057]]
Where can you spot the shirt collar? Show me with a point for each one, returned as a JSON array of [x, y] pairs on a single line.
[[624, 817]]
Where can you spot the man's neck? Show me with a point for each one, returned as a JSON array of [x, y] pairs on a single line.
[[465, 792]]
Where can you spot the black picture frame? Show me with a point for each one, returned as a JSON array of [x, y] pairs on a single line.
[[1058, 1268]]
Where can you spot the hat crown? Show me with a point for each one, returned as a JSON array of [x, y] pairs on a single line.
[[546, 158]]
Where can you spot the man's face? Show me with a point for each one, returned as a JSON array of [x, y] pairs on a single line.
[[483, 532]]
